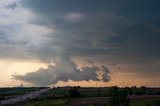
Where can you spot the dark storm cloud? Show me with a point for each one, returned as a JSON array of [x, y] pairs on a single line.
[[60, 6], [93, 34], [94, 27], [141, 46], [140, 53], [144, 6], [128, 31]]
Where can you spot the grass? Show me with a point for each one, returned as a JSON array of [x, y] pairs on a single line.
[[145, 102], [66, 101]]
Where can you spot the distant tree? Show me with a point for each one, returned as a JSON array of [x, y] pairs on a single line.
[[118, 97], [129, 90], [74, 92], [143, 89], [113, 96], [134, 87], [123, 98]]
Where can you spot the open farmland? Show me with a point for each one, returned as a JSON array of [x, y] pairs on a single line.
[[83, 96]]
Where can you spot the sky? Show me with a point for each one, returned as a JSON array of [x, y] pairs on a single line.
[[79, 43]]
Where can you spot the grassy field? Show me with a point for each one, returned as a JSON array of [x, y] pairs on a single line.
[[61, 96], [145, 102], [66, 101]]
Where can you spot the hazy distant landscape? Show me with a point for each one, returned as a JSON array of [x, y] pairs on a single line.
[[84, 96]]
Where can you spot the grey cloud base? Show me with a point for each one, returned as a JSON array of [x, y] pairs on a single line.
[[65, 71]]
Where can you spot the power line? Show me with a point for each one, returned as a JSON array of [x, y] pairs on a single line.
[[4, 84], [5, 81]]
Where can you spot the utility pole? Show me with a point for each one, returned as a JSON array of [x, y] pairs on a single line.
[[21, 93], [21, 85]]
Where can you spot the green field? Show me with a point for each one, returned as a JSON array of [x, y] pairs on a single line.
[[145, 102], [66, 101]]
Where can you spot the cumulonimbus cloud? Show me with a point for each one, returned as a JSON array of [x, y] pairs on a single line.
[[72, 28], [65, 71]]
